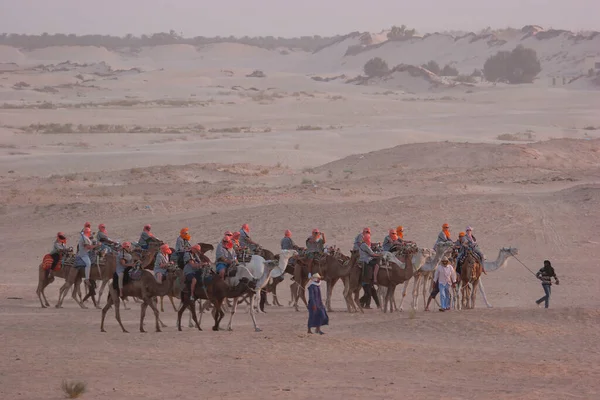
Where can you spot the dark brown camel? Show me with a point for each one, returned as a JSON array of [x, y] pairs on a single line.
[[146, 289], [390, 275], [215, 290]]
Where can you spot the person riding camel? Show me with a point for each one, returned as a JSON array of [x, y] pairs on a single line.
[[474, 246], [145, 236], [83, 251], [182, 245], [354, 254], [225, 256], [287, 243], [104, 240], [86, 225], [391, 240], [315, 245], [59, 248], [125, 260], [444, 236], [245, 240], [461, 245], [192, 272], [368, 258], [235, 238], [162, 262]]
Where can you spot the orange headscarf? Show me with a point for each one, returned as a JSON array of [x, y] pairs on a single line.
[[446, 230], [400, 231], [184, 234]]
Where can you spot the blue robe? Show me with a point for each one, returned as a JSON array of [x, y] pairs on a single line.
[[319, 316]]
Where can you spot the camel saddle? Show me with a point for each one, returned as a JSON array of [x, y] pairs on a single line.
[[47, 263]]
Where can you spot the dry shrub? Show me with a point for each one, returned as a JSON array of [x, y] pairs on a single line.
[[73, 389], [515, 137], [308, 128]]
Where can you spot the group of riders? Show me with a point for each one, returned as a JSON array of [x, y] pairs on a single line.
[[237, 247]]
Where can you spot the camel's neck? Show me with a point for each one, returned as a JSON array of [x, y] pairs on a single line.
[[164, 288], [262, 281], [500, 262]]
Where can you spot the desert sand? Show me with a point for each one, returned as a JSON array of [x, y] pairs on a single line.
[[186, 139]]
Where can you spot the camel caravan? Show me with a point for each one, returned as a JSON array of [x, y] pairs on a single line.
[[243, 271]]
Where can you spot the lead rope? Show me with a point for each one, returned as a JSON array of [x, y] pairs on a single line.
[[520, 262]]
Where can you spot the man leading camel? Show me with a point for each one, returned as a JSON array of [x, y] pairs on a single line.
[[445, 276]]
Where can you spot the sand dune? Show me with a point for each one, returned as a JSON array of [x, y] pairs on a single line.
[[180, 136]]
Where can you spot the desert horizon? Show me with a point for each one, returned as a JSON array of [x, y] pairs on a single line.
[[497, 129]]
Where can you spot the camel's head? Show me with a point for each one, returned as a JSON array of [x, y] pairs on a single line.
[[284, 257], [388, 257], [426, 253], [270, 265], [511, 251]]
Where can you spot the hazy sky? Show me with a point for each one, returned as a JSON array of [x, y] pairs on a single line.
[[288, 17]]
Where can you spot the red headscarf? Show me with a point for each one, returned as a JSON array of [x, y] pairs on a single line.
[[288, 233], [61, 237], [367, 238], [400, 231], [102, 228]]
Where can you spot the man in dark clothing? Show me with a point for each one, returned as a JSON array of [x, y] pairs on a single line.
[[545, 275]]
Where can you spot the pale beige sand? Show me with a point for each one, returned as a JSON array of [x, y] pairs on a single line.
[[542, 198]]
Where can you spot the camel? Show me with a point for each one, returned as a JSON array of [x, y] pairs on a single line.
[[258, 271], [468, 280], [424, 274], [146, 289], [333, 267], [391, 273], [45, 278], [501, 261], [102, 271]]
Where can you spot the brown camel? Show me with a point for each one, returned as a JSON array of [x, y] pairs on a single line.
[[103, 271], [390, 275], [331, 267], [215, 290], [45, 278], [468, 280], [175, 293], [146, 289]]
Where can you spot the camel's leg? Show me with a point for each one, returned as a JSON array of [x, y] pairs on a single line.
[[275, 298], [156, 318], [482, 290], [192, 308], [404, 289], [474, 293], [162, 309], [142, 316], [155, 302], [219, 313], [117, 311], [425, 288], [330, 285], [40, 288], [232, 313], [104, 310], [182, 308], [104, 283], [173, 303], [64, 290], [77, 295], [252, 301]]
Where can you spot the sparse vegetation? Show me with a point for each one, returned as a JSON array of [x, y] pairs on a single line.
[[107, 128], [518, 66], [112, 103], [517, 137], [256, 74], [308, 128], [73, 389], [21, 85], [432, 66], [591, 128], [465, 79], [448, 70], [400, 33], [376, 67]]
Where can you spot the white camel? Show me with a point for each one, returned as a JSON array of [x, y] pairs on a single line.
[[501, 261], [258, 271], [429, 262]]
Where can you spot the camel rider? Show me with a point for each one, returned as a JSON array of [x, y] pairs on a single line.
[[86, 225], [145, 236], [182, 245], [461, 239], [58, 248], [390, 240], [162, 263], [474, 246], [83, 251], [245, 240], [287, 243], [125, 260], [358, 240], [104, 240], [225, 256], [444, 236], [368, 258], [192, 269], [315, 245], [235, 238]]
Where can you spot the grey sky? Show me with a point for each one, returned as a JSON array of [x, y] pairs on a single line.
[[288, 17]]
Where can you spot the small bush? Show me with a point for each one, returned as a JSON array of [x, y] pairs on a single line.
[[308, 128], [465, 79], [376, 67], [449, 71], [590, 128], [432, 66], [518, 66], [400, 33], [73, 389]]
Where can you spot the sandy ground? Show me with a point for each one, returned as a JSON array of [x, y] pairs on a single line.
[[378, 160]]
